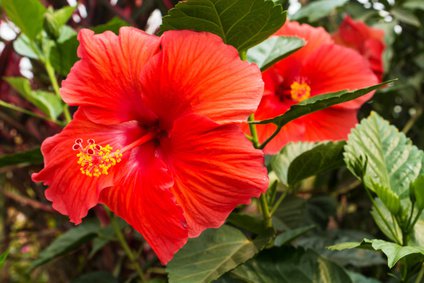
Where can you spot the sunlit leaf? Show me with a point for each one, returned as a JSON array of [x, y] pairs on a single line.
[[273, 50], [242, 24], [317, 9], [393, 251], [392, 161], [27, 15], [47, 102]]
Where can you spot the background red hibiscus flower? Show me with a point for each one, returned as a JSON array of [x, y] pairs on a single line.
[[366, 40], [319, 67]]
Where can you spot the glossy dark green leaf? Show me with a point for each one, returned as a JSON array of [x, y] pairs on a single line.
[[317, 103], [393, 251], [67, 242], [242, 24], [213, 253], [247, 222], [273, 50], [317, 9], [392, 161], [290, 235], [47, 102], [280, 162], [27, 157], [417, 187], [287, 265], [27, 15], [100, 277], [323, 157], [63, 54]]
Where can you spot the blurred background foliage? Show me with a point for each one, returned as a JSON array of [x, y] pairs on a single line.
[[334, 202]]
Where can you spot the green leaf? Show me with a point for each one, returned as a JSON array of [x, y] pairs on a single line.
[[317, 10], [242, 24], [280, 162], [321, 158], [287, 265], [63, 15], [392, 161], [317, 103], [290, 235], [28, 157], [417, 188], [22, 46], [393, 232], [63, 54], [387, 196], [100, 276], [359, 278], [3, 257], [113, 25], [67, 242], [214, 253], [394, 252], [247, 222], [406, 16], [273, 50], [27, 15], [47, 102]]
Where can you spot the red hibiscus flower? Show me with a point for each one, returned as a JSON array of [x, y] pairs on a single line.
[[156, 135], [319, 67], [366, 40]]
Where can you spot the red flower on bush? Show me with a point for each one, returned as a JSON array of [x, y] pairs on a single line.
[[319, 67], [366, 40], [156, 135]]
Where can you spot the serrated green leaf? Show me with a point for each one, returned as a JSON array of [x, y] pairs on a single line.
[[280, 162], [317, 10], [393, 251], [214, 253], [67, 242], [392, 232], [33, 156], [242, 24], [317, 103], [392, 161], [387, 196], [273, 50], [417, 187], [27, 15], [287, 265], [47, 102]]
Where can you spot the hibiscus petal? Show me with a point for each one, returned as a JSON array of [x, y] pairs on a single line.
[[215, 169], [106, 79], [332, 68], [144, 200], [197, 71], [71, 192]]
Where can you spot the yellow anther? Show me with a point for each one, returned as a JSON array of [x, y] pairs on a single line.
[[95, 160], [300, 91]]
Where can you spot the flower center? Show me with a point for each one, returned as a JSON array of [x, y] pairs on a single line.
[[300, 91], [96, 160]]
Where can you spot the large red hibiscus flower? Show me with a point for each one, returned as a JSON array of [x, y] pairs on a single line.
[[156, 135], [319, 67], [366, 40]]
